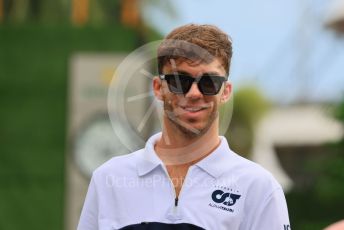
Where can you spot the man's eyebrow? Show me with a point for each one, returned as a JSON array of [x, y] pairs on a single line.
[[180, 72], [183, 72], [211, 73], [205, 73]]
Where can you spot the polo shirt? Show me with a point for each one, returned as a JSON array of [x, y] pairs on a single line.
[[222, 191]]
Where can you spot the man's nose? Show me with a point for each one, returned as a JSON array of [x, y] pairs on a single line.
[[194, 91]]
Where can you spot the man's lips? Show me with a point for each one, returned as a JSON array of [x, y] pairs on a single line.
[[193, 108]]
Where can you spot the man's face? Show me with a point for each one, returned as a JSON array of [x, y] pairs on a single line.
[[192, 113]]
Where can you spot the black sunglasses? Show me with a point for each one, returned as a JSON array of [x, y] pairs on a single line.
[[181, 83]]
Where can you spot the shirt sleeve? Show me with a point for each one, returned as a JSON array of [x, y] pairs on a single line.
[[273, 213], [89, 214]]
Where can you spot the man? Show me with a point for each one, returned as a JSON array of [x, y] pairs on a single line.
[[186, 177]]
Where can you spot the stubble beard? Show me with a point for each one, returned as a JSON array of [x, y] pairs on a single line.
[[188, 132]]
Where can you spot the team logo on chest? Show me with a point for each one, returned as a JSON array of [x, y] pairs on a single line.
[[224, 198]]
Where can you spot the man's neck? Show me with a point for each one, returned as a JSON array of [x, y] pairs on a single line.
[[176, 149], [179, 153]]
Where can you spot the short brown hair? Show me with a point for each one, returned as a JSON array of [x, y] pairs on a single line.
[[208, 37]]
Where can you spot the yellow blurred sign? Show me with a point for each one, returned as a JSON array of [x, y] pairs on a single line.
[[80, 11], [1, 11]]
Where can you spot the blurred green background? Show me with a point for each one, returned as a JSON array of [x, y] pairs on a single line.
[[34, 71], [37, 39], [35, 47]]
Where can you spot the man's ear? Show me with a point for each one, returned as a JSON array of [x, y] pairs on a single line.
[[226, 93], [157, 88]]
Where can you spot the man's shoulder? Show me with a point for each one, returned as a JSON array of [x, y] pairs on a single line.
[[249, 165], [252, 173]]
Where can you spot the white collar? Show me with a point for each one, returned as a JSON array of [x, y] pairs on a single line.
[[214, 164]]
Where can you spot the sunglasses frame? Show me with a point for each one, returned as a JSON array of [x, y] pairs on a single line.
[[166, 77]]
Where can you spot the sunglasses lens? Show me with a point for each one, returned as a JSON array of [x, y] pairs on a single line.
[[177, 83], [210, 85]]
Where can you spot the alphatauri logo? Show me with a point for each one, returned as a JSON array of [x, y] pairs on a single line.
[[224, 200]]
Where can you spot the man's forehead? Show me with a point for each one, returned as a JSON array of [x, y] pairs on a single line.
[[182, 63]]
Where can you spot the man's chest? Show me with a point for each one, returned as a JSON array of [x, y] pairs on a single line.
[[202, 201]]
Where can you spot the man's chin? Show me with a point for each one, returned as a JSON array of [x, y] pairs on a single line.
[[192, 130]]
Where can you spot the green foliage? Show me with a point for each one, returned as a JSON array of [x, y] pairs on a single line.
[[42, 11], [33, 96], [249, 106], [104, 12], [329, 186], [322, 203], [340, 112]]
